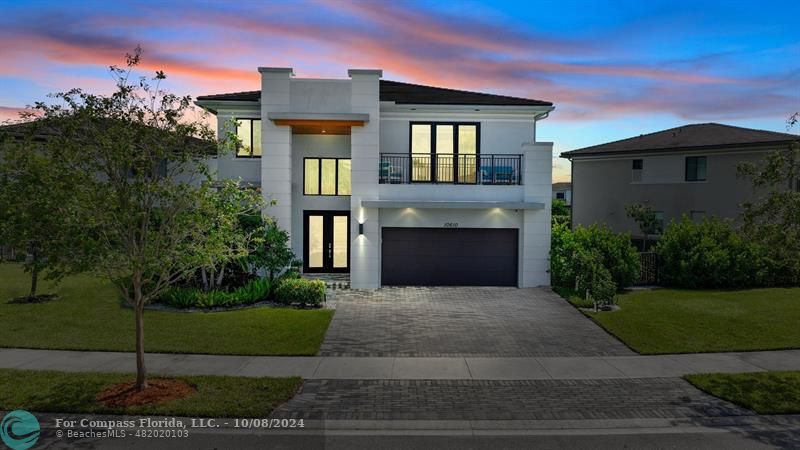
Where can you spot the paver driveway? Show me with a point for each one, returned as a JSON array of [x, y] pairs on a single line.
[[462, 321]]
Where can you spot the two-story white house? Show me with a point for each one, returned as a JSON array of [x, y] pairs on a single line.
[[397, 183]]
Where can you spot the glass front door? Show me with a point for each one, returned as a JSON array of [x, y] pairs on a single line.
[[326, 241]]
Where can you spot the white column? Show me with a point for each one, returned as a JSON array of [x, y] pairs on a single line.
[[276, 160], [537, 181], [365, 264]]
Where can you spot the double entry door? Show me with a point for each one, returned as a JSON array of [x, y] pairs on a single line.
[[326, 241]]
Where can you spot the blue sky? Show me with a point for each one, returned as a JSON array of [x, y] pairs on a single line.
[[613, 70]]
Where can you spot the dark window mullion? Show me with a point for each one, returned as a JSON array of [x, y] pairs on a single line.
[[319, 177], [455, 153]]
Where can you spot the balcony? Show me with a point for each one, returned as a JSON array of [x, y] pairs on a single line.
[[447, 168]]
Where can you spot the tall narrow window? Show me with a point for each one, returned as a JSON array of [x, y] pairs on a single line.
[[445, 152], [467, 153], [311, 183], [695, 168], [343, 180], [249, 133], [421, 164], [326, 176]]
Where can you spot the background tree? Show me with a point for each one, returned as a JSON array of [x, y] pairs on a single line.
[[34, 206], [773, 219], [560, 211], [143, 192], [646, 219]]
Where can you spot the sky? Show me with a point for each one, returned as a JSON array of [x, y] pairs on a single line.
[[612, 69]]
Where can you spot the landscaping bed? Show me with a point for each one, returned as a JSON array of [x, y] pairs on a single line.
[[195, 396], [762, 392], [88, 316], [691, 321]]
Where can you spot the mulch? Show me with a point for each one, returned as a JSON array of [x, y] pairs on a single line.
[[158, 391]]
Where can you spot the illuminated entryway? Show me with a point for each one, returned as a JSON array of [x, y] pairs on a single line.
[[326, 242]]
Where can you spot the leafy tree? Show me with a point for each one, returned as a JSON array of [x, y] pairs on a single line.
[[614, 250], [709, 254], [273, 252], [560, 211], [144, 194], [772, 219], [646, 219], [593, 279], [34, 206]]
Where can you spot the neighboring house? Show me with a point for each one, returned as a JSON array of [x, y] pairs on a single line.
[[563, 191], [689, 170], [397, 183]]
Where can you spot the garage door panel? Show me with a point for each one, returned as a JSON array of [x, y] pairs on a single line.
[[447, 257]]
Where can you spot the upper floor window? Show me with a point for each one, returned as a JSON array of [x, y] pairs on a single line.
[[636, 171], [249, 133], [695, 168], [561, 195], [326, 176], [444, 152]]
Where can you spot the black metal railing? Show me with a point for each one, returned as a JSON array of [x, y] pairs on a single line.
[[405, 168]]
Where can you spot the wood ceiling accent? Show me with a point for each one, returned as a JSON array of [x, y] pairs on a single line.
[[309, 129], [336, 127]]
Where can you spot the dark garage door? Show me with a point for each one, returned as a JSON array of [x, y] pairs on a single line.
[[449, 257]]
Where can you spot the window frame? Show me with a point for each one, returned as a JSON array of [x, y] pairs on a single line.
[[251, 155], [433, 124], [319, 176], [641, 164], [696, 178]]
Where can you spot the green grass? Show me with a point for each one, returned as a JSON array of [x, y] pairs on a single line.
[[50, 391], [764, 392], [89, 316], [691, 321], [572, 296]]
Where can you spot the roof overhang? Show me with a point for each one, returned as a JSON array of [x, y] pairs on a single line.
[[748, 146], [443, 204], [389, 106], [308, 119], [213, 106]]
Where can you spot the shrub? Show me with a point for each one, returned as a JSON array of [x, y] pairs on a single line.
[[709, 254], [614, 252], [180, 297], [254, 291], [300, 291], [215, 299]]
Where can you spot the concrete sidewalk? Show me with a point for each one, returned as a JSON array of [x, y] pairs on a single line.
[[407, 368]]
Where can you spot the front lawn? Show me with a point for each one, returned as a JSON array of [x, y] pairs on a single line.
[[764, 392], [89, 316], [691, 321], [67, 392]]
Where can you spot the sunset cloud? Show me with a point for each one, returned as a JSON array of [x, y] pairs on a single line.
[[595, 64]]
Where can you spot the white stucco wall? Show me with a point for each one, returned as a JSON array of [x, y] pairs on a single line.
[[365, 150], [276, 162]]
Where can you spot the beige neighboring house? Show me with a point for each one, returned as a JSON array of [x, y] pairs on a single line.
[[689, 170], [563, 191]]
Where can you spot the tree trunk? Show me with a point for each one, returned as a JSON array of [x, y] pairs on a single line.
[[205, 279], [219, 277], [34, 271], [141, 370]]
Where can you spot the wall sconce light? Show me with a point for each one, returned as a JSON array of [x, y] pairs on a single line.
[[360, 229]]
